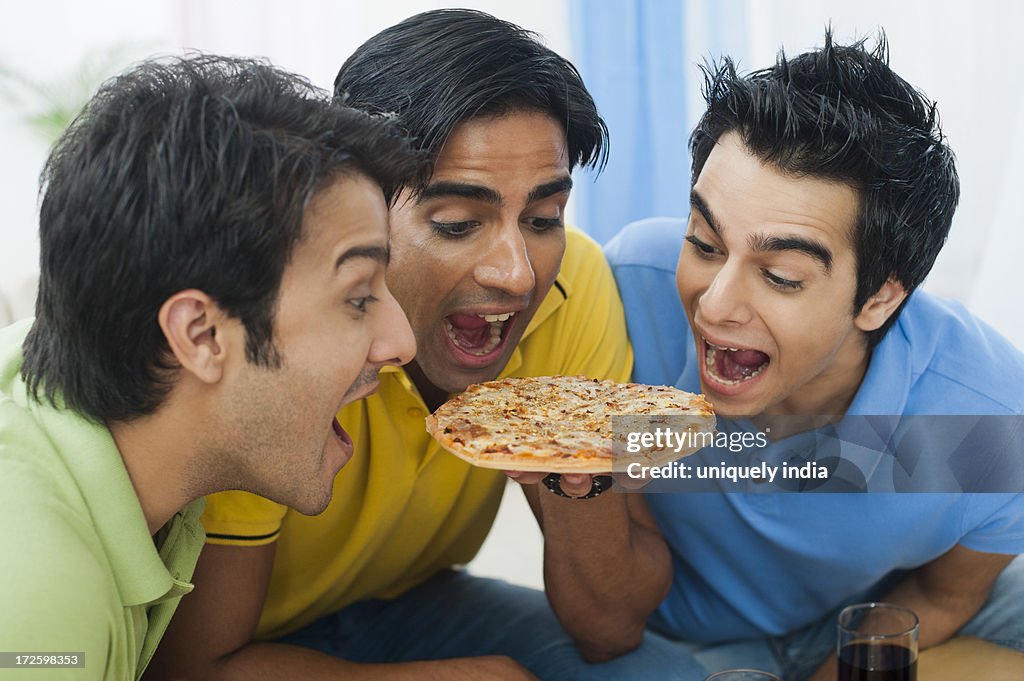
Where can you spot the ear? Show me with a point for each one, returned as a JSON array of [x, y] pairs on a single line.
[[196, 332], [880, 306]]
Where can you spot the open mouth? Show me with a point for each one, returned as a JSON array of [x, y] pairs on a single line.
[[733, 366], [344, 440], [341, 432], [479, 335]]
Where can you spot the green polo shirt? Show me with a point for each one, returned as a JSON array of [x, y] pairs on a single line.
[[79, 570]]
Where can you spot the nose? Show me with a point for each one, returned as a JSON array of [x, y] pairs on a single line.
[[506, 264], [393, 340], [726, 299]]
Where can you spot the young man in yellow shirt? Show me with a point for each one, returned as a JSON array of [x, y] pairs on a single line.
[[494, 284]]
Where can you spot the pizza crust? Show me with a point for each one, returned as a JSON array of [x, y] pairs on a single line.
[[560, 424]]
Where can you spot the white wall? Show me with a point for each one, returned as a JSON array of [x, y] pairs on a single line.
[[48, 43]]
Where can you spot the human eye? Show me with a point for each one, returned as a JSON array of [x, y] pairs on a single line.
[[362, 303], [781, 283], [545, 224], [704, 250], [453, 230]]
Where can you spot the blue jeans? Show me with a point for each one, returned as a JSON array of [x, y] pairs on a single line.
[[797, 655], [457, 615]]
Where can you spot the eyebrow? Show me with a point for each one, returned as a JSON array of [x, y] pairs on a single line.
[[543, 191], [462, 190], [476, 192], [379, 253], [697, 202], [815, 249], [763, 244]]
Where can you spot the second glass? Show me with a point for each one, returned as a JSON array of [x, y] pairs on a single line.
[[742, 675]]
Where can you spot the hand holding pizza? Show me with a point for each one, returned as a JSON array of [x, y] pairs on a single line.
[[571, 485]]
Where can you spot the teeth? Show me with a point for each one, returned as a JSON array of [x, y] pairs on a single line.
[[489, 346], [504, 317], [709, 359], [719, 347]]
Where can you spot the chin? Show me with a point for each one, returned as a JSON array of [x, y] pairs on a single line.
[[313, 506], [450, 378], [731, 407]]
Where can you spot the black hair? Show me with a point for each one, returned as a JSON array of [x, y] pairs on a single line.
[[181, 173], [841, 113], [439, 68]]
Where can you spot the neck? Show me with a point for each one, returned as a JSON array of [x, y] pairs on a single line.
[[157, 451], [432, 396]]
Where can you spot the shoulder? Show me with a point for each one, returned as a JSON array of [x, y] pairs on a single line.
[[239, 518], [580, 327], [958, 359], [582, 257], [60, 592], [652, 243], [584, 278], [643, 258]]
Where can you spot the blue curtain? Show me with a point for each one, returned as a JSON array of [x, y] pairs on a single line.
[[635, 60]]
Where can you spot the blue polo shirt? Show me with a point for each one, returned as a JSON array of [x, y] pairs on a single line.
[[750, 565]]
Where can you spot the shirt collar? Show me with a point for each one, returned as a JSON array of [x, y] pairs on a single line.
[[885, 389], [92, 457]]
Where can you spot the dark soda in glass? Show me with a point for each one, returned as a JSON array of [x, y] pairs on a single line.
[[877, 662]]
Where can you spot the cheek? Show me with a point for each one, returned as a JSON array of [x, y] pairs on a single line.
[[807, 331], [420, 280]]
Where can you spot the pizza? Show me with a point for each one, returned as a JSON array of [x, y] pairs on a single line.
[[563, 424]]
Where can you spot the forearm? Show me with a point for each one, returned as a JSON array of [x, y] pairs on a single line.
[[283, 662], [604, 573], [941, 613]]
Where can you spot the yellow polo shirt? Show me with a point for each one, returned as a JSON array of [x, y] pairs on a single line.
[[403, 508]]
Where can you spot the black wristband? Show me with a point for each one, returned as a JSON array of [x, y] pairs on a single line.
[[599, 484]]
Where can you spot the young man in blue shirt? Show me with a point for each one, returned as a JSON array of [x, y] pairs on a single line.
[[822, 191]]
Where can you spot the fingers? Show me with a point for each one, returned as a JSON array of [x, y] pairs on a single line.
[[572, 484], [576, 484], [526, 478]]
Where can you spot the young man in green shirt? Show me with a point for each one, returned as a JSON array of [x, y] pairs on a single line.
[[214, 238]]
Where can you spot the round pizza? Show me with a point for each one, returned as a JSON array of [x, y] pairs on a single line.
[[563, 424]]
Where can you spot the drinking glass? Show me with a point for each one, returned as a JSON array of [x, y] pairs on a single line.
[[742, 675], [877, 642]]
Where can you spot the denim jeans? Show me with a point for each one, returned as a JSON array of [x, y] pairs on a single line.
[[455, 614]]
